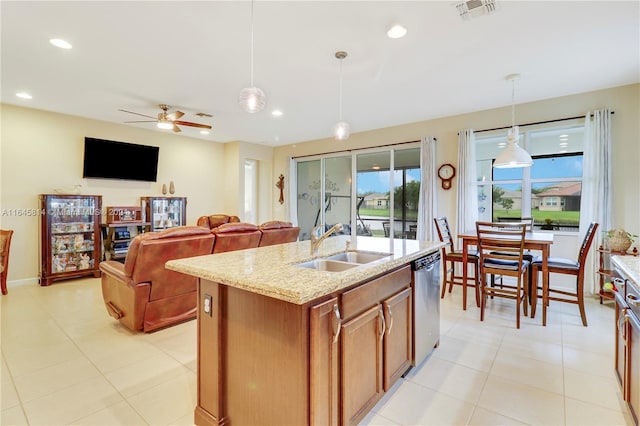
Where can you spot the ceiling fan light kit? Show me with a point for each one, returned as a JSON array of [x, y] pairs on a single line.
[[513, 155], [167, 120]]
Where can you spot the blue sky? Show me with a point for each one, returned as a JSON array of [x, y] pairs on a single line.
[[379, 181]]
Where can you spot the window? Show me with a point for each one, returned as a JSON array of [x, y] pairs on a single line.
[[549, 191], [250, 191]]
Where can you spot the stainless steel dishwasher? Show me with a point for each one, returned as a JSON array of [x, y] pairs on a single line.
[[426, 305]]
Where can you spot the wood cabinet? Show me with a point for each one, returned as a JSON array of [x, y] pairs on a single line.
[[627, 343], [376, 341], [263, 361], [164, 212], [70, 244], [325, 326], [123, 224]]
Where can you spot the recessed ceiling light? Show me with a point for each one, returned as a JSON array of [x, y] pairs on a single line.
[[24, 95], [204, 132], [375, 167], [564, 144], [276, 113], [563, 151], [62, 44], [502, 144], [564, 136], [397, 31]]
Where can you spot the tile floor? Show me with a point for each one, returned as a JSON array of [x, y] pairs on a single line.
[[65, 361]]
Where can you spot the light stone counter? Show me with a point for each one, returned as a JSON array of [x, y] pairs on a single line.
[[630, 266], [272, 270]]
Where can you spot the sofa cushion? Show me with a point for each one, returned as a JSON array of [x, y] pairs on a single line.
[[275, 224], [236, 236], [235, 227]]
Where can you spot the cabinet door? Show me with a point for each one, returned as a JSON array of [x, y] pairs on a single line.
[[325, 327], [633, 364], [620, 360], [398, 336], [361, 364]]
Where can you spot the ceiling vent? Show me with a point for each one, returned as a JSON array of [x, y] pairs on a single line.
[[474, 8]]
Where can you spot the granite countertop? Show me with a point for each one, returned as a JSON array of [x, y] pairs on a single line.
[[630, 266], [272, 270]]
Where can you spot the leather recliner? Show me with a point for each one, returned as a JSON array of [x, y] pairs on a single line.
[[278, 232], [215, 220], [236, 236], [141, 293]]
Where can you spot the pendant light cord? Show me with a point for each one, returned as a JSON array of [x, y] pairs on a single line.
[[340, 94], [513, 103], [252, 43]]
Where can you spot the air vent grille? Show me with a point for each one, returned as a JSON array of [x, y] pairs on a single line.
[[474, 8]]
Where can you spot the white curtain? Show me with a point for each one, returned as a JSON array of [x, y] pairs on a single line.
[[427, 199], [467, 207], [292, 202], [595, 204]]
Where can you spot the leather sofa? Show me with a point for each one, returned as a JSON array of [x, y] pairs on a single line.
[[236, 236], [141, 293], [215, 220], [278, 232]]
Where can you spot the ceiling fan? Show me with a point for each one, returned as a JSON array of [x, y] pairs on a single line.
[[167, 120]]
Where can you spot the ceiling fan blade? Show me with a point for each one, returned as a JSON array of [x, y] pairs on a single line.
[[141, 121], [176, 128], [136, 113], [175, 115], [188, 123]]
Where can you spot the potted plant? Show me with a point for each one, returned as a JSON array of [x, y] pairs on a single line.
[[548, 224]]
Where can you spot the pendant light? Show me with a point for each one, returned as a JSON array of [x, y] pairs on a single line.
[[252, 99], [341, 131], [513, 156]]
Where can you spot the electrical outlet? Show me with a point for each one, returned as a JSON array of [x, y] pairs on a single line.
[[207, 305]]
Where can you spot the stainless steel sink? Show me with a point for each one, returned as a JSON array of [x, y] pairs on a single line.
[[328, 265], [359, 257]]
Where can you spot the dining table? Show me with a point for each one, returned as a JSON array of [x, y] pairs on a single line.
[[539, 241]]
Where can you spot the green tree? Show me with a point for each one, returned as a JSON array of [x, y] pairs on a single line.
[[412, 191], [496, 194], [507, 203]]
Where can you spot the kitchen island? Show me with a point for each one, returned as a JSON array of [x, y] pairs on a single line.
[[279, 343]]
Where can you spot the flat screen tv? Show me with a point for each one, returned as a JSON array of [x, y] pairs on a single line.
[[104, 159]]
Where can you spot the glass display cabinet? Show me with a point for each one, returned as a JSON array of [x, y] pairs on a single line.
[[164, 212], [70, 244]]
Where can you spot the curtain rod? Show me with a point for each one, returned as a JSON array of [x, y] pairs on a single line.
[[356, 149], [533, 124]]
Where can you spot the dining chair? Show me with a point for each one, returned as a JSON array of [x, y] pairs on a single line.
[[501, 250], [568, 267], [451, 256], [528, 221], [5, 245]]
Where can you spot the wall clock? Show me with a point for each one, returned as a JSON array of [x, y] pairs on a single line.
[[446, 172]]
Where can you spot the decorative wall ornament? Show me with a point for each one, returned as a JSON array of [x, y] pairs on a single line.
[[280, 186], [164, 189], [172, 188]]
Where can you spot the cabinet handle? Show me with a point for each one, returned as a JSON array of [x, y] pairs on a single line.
[[632, 299], [621, 322], [337, 324], [388, 308], [384, 324]]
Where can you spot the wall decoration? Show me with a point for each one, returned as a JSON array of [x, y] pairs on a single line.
[[280, 186]]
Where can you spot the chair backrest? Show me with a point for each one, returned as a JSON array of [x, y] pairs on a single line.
[[526, 220], [236, 236], [500, 246], [278, 232], [586, 242], [215, 220], [5, 245], [444, 232]]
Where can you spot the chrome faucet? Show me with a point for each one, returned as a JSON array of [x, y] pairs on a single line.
[[316, 238]]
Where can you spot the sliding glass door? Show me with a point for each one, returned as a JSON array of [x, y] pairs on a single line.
[[386, 190]]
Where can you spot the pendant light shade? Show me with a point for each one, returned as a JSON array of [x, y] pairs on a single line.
[[513, 155], [252, 99], [341, 130]]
